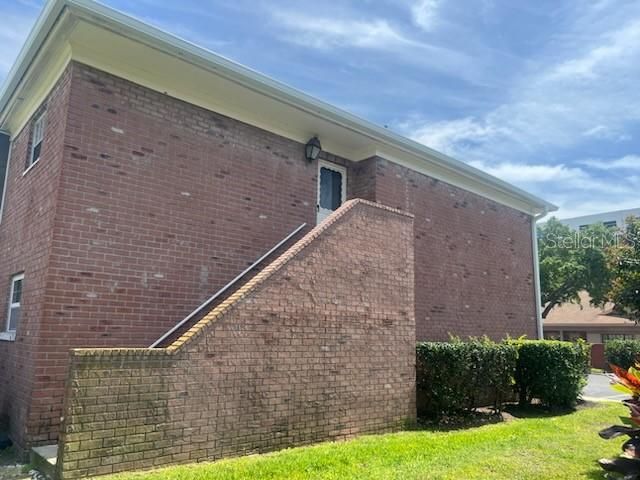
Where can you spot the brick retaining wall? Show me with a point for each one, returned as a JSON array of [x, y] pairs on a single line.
[[320, 345]]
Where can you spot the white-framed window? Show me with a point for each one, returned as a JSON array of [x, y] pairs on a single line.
[[15, 303], [607, 337], [37, 138]]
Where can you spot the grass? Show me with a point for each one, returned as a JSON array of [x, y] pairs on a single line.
[[10, 466], [546, 447]]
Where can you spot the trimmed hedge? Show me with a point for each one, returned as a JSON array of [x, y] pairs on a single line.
[[553, 372], [455, 377], [623, 353]]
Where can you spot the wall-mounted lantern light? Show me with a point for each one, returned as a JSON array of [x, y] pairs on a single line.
[[312, 149]]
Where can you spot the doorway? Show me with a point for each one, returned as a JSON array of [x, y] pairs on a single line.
[[332, 188]]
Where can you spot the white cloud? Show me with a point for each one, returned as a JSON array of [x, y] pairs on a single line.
[[570, 208], [551, 112], [351, 30], [555, 106], [614, 47], [452, 136], [602, 132], [425, 13], [628, 162], [324, 33], [13, 32], [526, 174], [549, 179], [186, 32]]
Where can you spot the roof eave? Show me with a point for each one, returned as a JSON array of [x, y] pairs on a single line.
[[37, 36], [98, 13]]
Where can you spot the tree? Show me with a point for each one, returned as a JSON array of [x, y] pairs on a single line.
[[572, 261], [624, 262]]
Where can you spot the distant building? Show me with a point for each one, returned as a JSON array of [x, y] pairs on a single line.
[[616, 219], [571, 321]]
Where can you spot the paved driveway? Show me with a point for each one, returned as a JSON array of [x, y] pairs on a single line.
[[598, 388]]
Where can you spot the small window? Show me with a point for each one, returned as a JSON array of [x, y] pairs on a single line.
[[15, 303], [552, 335], [574, 336], [37, 137], [607, 337], [610, 224]]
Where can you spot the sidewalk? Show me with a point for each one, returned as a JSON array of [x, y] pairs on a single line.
[[599, 389]]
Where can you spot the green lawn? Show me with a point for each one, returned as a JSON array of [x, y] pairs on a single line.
[[554, 447]]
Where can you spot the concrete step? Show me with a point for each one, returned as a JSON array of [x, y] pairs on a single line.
[[44, 459]]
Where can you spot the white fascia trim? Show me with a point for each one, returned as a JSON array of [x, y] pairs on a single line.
[[36, 38], [170, 44]]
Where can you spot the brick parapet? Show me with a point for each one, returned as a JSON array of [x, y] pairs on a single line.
[[320, 347]]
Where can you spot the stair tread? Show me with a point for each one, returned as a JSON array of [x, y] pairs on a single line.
[[48, 453]]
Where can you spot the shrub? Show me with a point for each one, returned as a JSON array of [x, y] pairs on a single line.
[[456, 377], [622, 353], [551, 371]]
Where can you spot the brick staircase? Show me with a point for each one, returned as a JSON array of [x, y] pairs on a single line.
[[228, 290]]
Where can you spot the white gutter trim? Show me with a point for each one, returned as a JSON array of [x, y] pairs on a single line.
[[536, 273], [156, 38], [37, 36]]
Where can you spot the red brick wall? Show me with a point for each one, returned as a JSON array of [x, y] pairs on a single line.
[[319, 345], [161, 203], [363, 179], [25, 243], [474, 258]]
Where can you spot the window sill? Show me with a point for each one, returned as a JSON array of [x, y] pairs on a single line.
[[30, 167], [7, 336]]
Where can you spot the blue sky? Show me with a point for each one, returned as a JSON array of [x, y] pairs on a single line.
[[543, 94]]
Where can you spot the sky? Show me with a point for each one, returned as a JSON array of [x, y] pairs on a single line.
[[544, 94]]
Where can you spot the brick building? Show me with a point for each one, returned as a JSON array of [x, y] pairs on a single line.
[[142, 174], [571, 321]]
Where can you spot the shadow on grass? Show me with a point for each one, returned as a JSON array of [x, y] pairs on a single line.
[[486, 416], [7, 451], [539, 411], [8, 456], [596, 474], [457, 422]]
